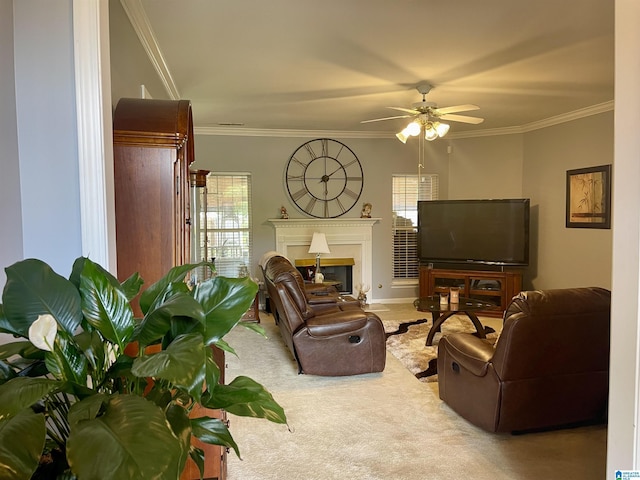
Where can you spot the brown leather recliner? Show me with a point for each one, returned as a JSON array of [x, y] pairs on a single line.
[[327, 334], [549, 367]]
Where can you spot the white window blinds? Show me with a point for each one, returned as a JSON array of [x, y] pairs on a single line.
[[406, 191], [226, 218]]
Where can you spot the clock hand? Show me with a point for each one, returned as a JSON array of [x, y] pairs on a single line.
[[336, 170], [342, 167]]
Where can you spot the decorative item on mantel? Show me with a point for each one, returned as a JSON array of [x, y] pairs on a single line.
[[319, 245], [366, 210], [362, 294], [283, 213]]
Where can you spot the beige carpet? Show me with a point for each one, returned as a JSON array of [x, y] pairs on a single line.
[[384, 426]]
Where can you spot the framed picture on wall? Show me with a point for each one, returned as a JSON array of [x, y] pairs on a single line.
[[589, 197]]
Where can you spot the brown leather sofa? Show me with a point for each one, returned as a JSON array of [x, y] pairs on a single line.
[[327, 334], [549, 367]]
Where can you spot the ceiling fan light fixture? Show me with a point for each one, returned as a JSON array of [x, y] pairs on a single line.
[[441, 128], [413, 129], [402, 136], [430, 132]]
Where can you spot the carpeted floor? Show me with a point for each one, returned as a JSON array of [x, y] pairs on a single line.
[[384, 426]]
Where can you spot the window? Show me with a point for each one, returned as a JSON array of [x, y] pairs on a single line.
[[406, 191], [224, 224]]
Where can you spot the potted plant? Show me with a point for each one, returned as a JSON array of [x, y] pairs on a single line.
[[75, 404]]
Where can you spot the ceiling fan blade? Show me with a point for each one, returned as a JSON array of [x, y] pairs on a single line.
[[457, 108], [408, 110], [461, 118], [385, 118]]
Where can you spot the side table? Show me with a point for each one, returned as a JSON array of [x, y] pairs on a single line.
[[441, 312], [253, 314]]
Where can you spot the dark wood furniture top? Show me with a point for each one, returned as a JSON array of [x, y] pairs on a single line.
[[495, 287]]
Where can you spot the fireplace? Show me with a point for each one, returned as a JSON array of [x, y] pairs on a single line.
[[337, 272], [349, 238]]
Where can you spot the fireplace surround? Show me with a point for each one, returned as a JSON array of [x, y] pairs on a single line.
[[347, 238]]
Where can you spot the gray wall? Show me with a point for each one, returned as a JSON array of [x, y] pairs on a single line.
[[566, 257], [266, 158], [130, 65], [47, 132], [39, 185], [10, 202], [486, 167]]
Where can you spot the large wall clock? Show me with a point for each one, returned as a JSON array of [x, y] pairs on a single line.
[[324, 178]]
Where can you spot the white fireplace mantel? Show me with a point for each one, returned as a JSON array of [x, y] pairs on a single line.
[[348, 237]]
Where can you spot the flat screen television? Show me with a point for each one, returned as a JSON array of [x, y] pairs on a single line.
[[494, 232]]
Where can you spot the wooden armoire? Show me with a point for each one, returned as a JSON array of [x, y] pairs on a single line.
[[153, 148]]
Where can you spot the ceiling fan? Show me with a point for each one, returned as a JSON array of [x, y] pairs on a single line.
[[429, 111]]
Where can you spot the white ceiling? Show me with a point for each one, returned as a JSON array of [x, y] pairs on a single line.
[[328, 64]]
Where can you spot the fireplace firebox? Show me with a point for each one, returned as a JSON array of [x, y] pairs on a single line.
[[336, 271]]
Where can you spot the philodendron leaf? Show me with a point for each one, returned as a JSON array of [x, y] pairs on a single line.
[[33, 289], [95, 351], [183, 364], [22, 392], [157, 321], [224, 300], [105, 306], [23, 348], [256, 327], [6, 372], [179, 420], [176, 274], [131, 440], [197, 455], [22, 439], [246, 398], [66, 362], [131, 286], [213, 431], [88, 409]]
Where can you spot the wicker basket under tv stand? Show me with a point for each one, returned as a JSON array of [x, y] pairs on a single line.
[[497, 287]]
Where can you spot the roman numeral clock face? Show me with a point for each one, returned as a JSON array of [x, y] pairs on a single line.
[[324, 178]]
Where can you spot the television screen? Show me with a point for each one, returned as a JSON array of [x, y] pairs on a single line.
[[474, 231]]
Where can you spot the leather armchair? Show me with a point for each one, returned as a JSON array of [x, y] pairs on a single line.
[[326, 333], [549, 367]]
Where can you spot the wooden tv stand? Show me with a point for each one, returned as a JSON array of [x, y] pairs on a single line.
[[497, 287]]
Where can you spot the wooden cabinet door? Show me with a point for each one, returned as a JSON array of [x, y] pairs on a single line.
[[153, 147]]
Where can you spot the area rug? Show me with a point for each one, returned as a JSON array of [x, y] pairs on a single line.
[[406, 341]]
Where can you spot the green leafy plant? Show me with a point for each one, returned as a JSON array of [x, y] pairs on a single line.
[[89, 391]]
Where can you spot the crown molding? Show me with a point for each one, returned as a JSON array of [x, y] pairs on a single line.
[[289, 133], [142, 27], [490, 132], [570, 116]]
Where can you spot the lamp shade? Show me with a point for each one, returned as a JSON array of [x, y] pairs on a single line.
[[430, 132], [319, 243], [402, 136], [441, 128]]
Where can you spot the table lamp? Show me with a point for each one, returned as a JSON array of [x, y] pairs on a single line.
[[318, 246]]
